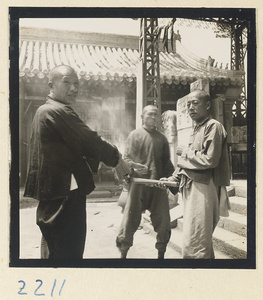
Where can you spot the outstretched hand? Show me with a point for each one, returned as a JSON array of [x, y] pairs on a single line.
[[140, 169]]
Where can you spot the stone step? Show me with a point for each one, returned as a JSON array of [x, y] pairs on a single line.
[[176, 241], [230, 243], [99, 194], [114, 189], [102, 200], [241, 191], [235, 223], [240, 188], [229, 236], [238, 205]]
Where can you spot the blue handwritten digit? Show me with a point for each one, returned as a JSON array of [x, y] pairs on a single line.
[[41, 282], [62, 287], [55, 281], [20, 291]]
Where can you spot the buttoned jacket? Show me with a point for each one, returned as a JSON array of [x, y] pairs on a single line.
[[207, 154], [62, 145]]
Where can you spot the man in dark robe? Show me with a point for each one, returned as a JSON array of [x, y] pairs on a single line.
[[63, 154]]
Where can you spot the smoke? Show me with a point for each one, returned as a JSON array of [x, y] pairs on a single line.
[[108, 117], [119, 120]]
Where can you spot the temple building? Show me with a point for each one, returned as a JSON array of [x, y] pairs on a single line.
[[107, 67]]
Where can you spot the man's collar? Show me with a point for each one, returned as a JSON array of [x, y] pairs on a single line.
[[143, 126], [202, 123], [55, 102]]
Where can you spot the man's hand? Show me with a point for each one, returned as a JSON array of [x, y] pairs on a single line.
[[173, 190], [180, 149], [161, 185]]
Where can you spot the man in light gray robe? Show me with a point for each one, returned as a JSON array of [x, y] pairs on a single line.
[[202, 174]]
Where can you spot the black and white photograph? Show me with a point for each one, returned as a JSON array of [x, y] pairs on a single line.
[[132, 137]]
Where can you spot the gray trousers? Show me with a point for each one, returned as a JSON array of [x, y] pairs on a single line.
[[140, 198]]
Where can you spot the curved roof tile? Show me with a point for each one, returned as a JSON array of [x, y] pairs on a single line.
[[99, 62]]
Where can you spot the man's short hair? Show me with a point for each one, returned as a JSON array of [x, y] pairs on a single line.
[[59, 71], [202, 95], [147, 107]]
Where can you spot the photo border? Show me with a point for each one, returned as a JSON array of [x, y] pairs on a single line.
[[17, 13]]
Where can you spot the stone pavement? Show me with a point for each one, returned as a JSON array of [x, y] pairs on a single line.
[[104, 218]]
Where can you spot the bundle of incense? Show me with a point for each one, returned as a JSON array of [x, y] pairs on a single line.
[[152, 181]]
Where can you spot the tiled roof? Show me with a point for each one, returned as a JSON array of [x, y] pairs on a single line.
[[109, 63]]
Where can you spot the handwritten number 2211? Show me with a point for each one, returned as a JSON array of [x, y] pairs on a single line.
[[39, 286]]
